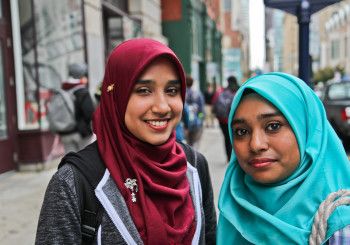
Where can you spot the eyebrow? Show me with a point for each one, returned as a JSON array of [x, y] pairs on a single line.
[[143, 81], [177, 81], [148, 81], [260, 117], [268, 115]]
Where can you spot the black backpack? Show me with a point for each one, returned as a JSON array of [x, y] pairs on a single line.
[[88, 170], [222, 105]]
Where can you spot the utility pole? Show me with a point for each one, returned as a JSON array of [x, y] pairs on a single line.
[[302, 9]]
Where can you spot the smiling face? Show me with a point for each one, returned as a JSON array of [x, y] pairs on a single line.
[[155, 104], [263, 141]]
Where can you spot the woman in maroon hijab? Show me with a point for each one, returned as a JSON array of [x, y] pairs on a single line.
[[150, 189]]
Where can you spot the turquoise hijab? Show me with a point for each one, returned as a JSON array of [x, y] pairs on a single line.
[[253, 213]]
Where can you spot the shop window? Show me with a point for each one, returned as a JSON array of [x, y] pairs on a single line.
[[28, 103], [50, 42]]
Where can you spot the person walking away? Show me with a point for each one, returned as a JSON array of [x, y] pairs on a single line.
[[208, 97], [221, 108], [288, 177], [195, 103], [135, 184], [76, 84], [182, 125]]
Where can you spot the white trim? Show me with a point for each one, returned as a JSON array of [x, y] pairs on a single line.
[[17, 57], [197, 193], [111, 210], [99, 242]]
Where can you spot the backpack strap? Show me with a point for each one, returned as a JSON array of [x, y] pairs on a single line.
[[191, 154], [88, 171], [198, 161]]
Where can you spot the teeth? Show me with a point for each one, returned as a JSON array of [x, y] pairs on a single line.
[[157, 123]]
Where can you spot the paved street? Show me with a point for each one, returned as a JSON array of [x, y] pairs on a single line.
[[21, 193]]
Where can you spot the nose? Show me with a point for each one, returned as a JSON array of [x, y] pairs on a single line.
[[258, 141], [160, 104]]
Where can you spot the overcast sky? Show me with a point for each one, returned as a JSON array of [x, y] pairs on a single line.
[[256, 29]]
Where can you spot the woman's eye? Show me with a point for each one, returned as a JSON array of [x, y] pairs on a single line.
[[273, 126], [143, 90], [240, 132], [172, 90]]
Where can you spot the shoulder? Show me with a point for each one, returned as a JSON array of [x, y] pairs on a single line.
[[198, 94], [63, 179], [86, 162], [62, 190], [60, 206], [195, 158], [81, 92], [60, 193]]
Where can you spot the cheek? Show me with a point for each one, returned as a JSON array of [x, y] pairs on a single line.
[[133, 110], [240, 149], [289, 148], [177, 107], [295, 153]]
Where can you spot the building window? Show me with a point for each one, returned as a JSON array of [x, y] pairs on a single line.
[[335, 49], [50, 42], [114, 32], [345, 47], [197, 34], [120, 4], [119, 28], [227, 5]]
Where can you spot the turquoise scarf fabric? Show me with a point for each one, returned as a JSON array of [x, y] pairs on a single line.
[[282, 213]]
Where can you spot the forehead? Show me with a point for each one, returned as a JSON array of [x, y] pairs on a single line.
[[163, 64], [253, 104]]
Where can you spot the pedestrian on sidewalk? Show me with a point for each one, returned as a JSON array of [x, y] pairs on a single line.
[[286, 161], [76, 84], [209, 121], [150, 189], [196, 113], [221, 108]]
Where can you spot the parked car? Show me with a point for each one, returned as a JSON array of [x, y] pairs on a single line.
[[336, 100]]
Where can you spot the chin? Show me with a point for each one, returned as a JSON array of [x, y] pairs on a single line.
[[157, 142]]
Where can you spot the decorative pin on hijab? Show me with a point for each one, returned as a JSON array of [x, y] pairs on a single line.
[[110, 87], [131, 184]]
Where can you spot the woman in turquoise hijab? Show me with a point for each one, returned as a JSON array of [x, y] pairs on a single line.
[[286, 161]]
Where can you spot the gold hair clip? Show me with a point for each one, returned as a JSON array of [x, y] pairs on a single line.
[[110, 87]]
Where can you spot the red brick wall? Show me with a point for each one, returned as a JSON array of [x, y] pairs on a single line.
[[235, 35], [171, 10]]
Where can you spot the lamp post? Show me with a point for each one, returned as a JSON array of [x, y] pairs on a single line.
[[302, 9]]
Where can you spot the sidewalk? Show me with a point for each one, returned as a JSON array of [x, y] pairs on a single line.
[[21, 193]]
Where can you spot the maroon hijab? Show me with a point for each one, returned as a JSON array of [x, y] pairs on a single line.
[[163, 212]]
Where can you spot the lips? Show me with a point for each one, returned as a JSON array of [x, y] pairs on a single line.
[[261, 162], [159, 124]]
